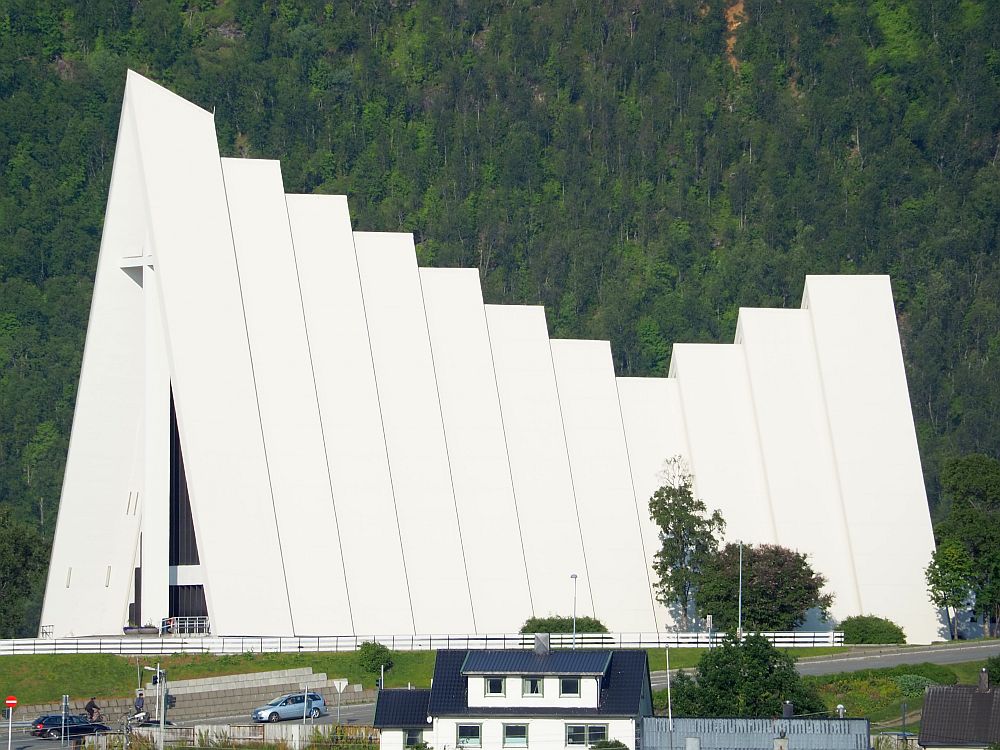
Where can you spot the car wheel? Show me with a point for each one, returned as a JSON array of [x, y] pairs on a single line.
[[314, 713], [273, 717], [52, 734]]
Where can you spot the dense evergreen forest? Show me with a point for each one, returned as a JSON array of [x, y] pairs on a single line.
[[641, 168]]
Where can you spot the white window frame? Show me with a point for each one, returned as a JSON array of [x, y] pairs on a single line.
[[587, 741], [406, 737], [525, 684], [579, 687], [486, 686], [515, 744], [458, 736]]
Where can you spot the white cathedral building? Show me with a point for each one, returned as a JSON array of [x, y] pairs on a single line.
[[288, 427]]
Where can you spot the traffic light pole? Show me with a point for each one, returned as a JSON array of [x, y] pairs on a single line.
[[162, 708]]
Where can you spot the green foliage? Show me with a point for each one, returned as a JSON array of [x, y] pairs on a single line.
[[950, 575], [23, 559], [610, 745], [373, 656], [867, 629], [912, 685], [688, 538], [560, 624], [603, 161], [993, 669], [878, 693], [969, 536], [751, 678], [779, 588]]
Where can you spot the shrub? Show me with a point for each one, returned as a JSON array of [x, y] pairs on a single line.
[[993, 669], [559, 624], [372, 656], [871, 629], [610, 745], [912, 685]]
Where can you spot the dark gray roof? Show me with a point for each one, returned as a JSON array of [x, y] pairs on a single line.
[[401, 708], [622, 688], [528, 663], [960, 715]]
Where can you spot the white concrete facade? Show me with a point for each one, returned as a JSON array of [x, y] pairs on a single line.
[[543, 733], [368, 448]]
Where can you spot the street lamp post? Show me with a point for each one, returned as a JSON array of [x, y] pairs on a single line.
[[739, 624], [573, 576]]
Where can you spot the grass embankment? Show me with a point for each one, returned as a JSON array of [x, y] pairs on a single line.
[[43, 678], [879, 694]]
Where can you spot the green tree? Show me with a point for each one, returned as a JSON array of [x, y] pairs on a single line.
[[779, 588], [748, 678], [949, 579], [688, 538], [560, 624], [972, 484], [23, 559]]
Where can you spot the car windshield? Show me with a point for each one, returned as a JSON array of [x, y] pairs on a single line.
[[276, 701]]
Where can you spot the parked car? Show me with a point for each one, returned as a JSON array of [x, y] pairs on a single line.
[[50, 726], [290, 707]]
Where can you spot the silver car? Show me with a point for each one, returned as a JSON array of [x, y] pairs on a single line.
[[291, 706]]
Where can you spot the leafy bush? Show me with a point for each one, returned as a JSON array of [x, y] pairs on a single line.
[[993, 669], [610, 745], [912, 685], [871, 629], [559, 624], [372, 656]]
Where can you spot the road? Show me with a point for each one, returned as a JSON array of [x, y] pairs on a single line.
[[891, 657], [361, 713], [358, 713], [879, 658]]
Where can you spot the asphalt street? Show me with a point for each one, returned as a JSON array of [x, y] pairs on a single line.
[[879, 658], [362, 714]]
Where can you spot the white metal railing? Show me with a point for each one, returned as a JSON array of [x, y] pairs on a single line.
[[298, 644], [185, 626]]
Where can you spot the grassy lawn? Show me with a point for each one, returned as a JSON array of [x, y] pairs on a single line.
[[44, 678]]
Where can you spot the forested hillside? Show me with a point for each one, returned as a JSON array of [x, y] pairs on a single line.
[[641, 168]]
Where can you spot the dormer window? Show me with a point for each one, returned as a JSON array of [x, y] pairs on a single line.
[[494, 685], [532, 686], [570, 687]]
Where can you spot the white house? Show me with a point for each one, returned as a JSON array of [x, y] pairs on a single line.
[[521, 699]]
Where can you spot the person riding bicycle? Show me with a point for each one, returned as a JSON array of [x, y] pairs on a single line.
[[92, 709]]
